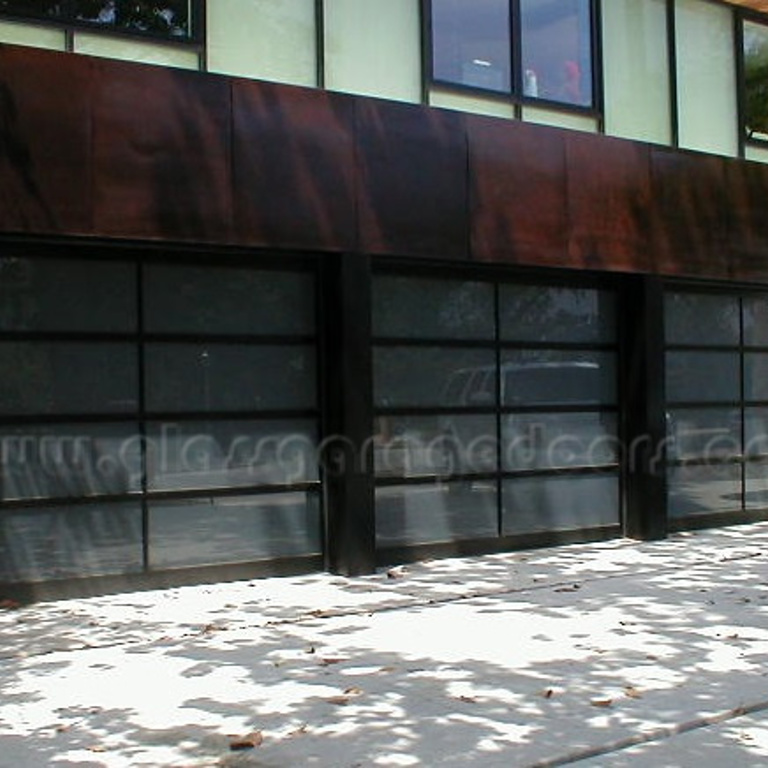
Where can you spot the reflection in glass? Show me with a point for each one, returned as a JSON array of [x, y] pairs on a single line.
[[66, 460], [756, 80], [228, 454], [435, 512], [700, 489], [54, 295], [408, 307], [548, 314], [69, 542], [206, 300], [559, 503], [558, 440], [557, 50], [756, 376], [704, 434], [701, 319], [703, 377], [442, 446], [229, 377], [755, 321], [233, 529], [167, 18], [756, 431], [67, 377], [756, 486], [434, 376], [470, 43], [544, 377]]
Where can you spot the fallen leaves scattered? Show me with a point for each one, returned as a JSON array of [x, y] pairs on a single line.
[[9, 605], [570, 588], [604, 703], [632, 693], [249, 741]]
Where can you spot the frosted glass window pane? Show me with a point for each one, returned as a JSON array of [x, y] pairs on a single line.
[[66, 378], [67, 460], [233, 529], [703, 377], [556, 40], [228, 454], [470, 43], [703, 489], [756, 377], [546, 314], [702, 319], [704, 433], [433, 376], [269, 39], [540, 504], [418, 446], [229, 377], [48, 295], [552, 377], [227, 301], [756, 321], [558, 440], [69, 542], [756, 431], [636, 77], [28, 34], [436, 513], [134, 50], [373, 48], [413, 308], [706, 68], [756, 491]]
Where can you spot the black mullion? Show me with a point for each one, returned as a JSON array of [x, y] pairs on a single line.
[[230, 491], [11, 420], [560, 408], [674, 116], [256, 415], [75, 337], [425, 11], [499, 417], [742, 407], [557, 346], [429, 479], [437, 410], [225, 338], [598, 97], [690, 405], [582, 470], [516, 54], [451, 343], [320, 43], [142, 415], [55, 502]]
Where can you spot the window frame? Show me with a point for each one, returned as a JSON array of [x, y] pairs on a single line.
[[194, 41], [742, 18], [515, 94]]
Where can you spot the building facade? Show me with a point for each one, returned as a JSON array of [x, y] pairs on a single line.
[[327, 284]]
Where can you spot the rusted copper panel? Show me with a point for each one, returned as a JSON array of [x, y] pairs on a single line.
[[518, 193], [609, 197], [161, 153], [689, 214], [44, 142], [293, 170], [747, 185], [412, 180]]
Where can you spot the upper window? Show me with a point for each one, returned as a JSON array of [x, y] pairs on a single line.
[[536, 49], [171, 19], [755, 109]]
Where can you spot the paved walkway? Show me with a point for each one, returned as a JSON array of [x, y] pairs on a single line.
[[614, 654]]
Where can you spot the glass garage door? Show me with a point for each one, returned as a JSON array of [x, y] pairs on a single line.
[[496, 410], [154, 417], [717, 404]]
